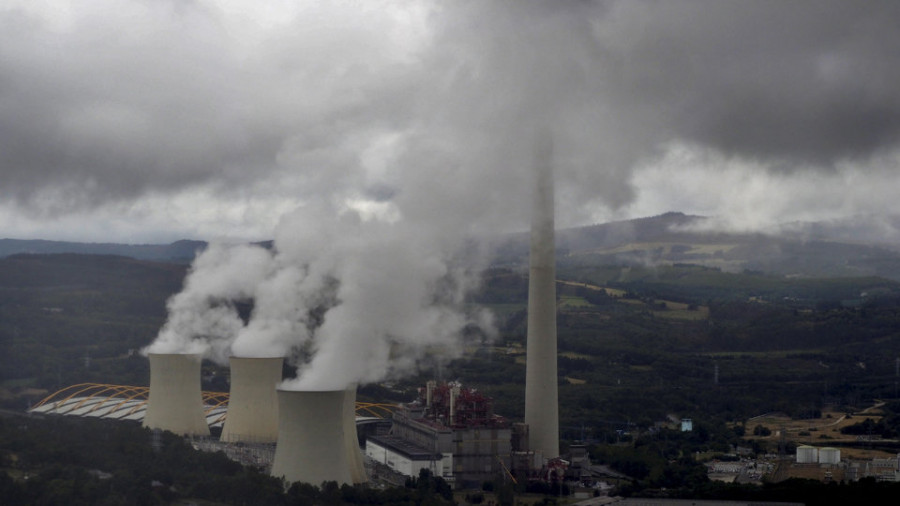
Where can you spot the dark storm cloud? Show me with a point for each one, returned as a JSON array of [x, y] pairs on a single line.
[[431, 105], [804, 81]]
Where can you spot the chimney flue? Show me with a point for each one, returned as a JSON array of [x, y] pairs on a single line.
[[541, 392]]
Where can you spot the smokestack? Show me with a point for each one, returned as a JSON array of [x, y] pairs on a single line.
[[176, 401], [252, 415], [454, 393], [541, 396], [429, 393], [313, 433]]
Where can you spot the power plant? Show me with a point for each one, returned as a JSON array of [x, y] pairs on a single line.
[[252, 415], [448, 429], [176, 400], [315, 442], [541, 391]]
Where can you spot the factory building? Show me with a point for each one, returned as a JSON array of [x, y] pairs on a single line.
[[450, 430]]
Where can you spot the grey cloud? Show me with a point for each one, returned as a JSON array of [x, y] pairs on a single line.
[[109, 104], [809, 82]]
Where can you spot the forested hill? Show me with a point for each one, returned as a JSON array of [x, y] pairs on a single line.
[[806, 250], [70, 318], [179, 251]]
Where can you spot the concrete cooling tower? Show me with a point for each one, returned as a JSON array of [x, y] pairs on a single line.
[[252, 415], [351, 438], [176, 401], [541, 391], [317, 438]]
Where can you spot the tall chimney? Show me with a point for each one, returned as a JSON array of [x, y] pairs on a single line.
[[176, 401], [252, 415], [541, 392]]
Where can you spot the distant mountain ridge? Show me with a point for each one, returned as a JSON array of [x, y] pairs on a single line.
[[803, 249], [857, 247], [182, 251]]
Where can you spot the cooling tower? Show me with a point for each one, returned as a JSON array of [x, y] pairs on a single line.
[[351, 438], [541, 396], [252, 415], [314, 433], [176, 402]]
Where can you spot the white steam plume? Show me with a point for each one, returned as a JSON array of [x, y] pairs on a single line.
[[202, 317]]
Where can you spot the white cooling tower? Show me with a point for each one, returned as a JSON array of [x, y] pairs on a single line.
[[313, 432], [351, 438], [176, 401], [541, 392], [252, 415]]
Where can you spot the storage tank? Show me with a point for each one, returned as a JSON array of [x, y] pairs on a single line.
[[807, 454], [313, 437], [829, 456], [176, 401], [252, 415]]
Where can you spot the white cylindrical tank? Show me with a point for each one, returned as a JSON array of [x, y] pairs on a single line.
[[176, 401], [313, 433], [252, 415], [807, 454], [829, 456]]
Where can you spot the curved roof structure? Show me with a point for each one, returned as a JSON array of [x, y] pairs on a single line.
[[122, 402], [118, 402]]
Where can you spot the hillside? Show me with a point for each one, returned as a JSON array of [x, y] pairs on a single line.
[[179, 251], [71, 318], [807, 250], [638, 339]]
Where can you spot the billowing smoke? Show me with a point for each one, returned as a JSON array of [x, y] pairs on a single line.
[[202, 317], [401, 130], [356, 297]]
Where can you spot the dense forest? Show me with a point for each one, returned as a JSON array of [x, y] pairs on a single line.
[[66, 461], [638, 345]]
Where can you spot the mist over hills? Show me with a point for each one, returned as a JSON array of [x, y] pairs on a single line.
[[861, 247]]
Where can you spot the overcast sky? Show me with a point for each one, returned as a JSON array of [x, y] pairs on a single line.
[[152, 120]]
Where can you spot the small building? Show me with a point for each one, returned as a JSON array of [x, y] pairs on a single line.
[[406, 458], [687, 425]]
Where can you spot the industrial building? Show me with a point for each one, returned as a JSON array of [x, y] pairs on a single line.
[[450, 430]]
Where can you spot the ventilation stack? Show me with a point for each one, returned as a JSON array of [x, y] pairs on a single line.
[[541, 391], [176, 401], [252, 415], [315, 432]]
